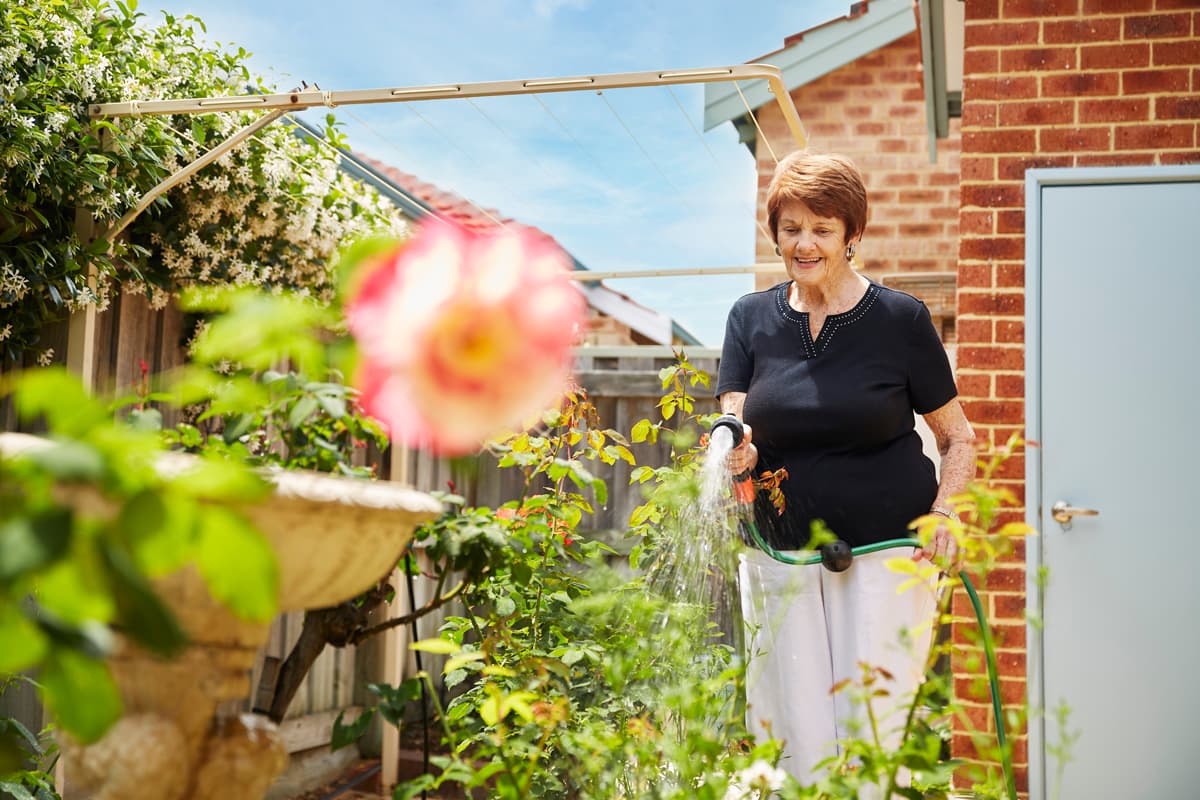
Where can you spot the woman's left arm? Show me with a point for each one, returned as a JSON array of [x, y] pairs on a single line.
[[956, 443]]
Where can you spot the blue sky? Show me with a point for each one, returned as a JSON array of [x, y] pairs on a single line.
[[623, 180]]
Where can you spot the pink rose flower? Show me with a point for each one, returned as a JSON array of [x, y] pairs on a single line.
[[463, 335]]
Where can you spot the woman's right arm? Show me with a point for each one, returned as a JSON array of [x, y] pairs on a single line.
[[744, 456], [733, 403]]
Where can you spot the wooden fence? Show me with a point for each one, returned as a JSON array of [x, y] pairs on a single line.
[[623, 383]]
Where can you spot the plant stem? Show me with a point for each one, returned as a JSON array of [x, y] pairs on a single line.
[[930, 662]]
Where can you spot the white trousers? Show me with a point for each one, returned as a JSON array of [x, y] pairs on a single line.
[[808, 629]]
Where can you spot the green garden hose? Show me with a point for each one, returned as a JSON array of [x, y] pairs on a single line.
[[989, 648]]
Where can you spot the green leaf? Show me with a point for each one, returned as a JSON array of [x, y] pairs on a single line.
[[440, 647], [641, 475], [80, 692], [505, 606], [60, 397], [70, 461], [635, 556], [303, 409], [624, 454], [600, 490], [14, 725], [456, 663], [332, 405], [410, 789], [522, 573], [22, 643], [28, 543], [394, 700], [158, 527], [10, 762], [75, 590], [641, 430], [237, 563], [144, 616], [344, 735], [237, 426]]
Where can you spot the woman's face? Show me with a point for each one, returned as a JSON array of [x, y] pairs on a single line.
[[813, 247]]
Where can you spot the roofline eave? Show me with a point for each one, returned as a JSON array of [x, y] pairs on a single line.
[[820, 52]]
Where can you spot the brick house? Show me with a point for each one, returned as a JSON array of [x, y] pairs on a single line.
[[856, 83], [1044, 83]]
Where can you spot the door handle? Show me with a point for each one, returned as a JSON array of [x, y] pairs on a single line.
[[1063, 513]]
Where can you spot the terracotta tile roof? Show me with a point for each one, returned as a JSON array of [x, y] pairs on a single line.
[[453, 207], [463, 212]]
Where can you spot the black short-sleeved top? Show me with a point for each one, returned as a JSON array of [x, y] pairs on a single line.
[[837, 412]]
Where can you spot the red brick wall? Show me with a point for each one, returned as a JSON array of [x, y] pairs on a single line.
[[873, 110], [1048, 83]]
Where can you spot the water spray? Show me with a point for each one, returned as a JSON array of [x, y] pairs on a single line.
[[837, 556], [743, 482]]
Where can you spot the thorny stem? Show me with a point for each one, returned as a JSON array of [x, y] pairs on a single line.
[[558, 489], [441, 711], [874, 723]]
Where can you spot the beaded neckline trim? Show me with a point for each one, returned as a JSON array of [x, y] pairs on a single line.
[[833, 322]]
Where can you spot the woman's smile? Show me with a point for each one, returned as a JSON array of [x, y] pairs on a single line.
[[812, 246]]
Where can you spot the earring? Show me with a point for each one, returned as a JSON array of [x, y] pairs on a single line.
[[777, 252], [850, 252]]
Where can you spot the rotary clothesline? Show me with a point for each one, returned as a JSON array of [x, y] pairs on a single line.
[[682, 197], [301, 99]]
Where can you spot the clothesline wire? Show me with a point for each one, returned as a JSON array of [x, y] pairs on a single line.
[[490, 216], [754, 119], [586, 151], [566, 130], [763, 138], [508, 136], [620, 120], [691, 124], [762, 229], [645, 152]]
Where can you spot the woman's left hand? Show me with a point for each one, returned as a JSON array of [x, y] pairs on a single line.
[[942, 548]]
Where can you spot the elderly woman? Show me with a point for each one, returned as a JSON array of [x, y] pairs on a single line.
[[826, 370]]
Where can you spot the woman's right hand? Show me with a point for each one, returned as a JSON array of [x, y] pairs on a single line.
[[744, 457]]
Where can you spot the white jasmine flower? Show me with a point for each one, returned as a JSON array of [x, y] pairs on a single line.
[[755, 782]]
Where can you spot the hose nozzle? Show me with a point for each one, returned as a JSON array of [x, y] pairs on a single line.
[[733, 424]]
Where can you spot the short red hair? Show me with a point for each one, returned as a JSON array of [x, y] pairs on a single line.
[[828, 184]]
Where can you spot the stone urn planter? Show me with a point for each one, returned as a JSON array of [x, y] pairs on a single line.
[[333, 538]]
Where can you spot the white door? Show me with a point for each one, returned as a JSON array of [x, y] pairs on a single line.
[[1113, 394]]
